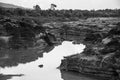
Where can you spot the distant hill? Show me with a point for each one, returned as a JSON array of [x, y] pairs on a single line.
[[6, 5]]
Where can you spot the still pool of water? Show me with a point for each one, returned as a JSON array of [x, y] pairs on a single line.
[[50, 62]]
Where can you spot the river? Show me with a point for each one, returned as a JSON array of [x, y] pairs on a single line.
[[49, 64]]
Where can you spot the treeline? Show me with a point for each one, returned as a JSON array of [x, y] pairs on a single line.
[[60, 13]]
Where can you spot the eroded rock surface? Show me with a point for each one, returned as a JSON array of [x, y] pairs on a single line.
[[101, 57], [22, 41], [25, 40]]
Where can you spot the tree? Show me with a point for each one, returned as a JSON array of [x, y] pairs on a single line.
[[53, 6], [37, 7]]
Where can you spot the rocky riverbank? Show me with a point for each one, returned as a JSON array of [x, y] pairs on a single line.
[[101, 57], [22, 40], [25, 40]]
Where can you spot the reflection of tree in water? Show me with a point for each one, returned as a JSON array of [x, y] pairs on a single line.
[[6, 77], [23, 56], [13, 57]]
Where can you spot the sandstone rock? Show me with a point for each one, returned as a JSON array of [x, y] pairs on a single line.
[[101, 55]]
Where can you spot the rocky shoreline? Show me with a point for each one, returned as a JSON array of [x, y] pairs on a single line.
[[101, 37], [101, 57]]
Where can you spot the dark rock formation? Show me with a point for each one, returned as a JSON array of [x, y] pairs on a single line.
[[22, 33], [101, 57], [21, 41], [25, 40], [41, 65]]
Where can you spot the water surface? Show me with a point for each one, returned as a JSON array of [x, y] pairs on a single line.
[[50, 62]]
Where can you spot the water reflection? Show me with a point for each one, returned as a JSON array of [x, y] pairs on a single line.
[[49, 62], [5, 77], [9, 58], [77, 76]]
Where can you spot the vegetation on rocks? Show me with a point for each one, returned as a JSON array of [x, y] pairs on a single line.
[[25, 34]]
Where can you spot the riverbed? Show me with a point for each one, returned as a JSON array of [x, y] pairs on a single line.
[[45, 68]]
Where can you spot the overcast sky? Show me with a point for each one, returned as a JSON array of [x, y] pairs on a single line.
[[68, 4]]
